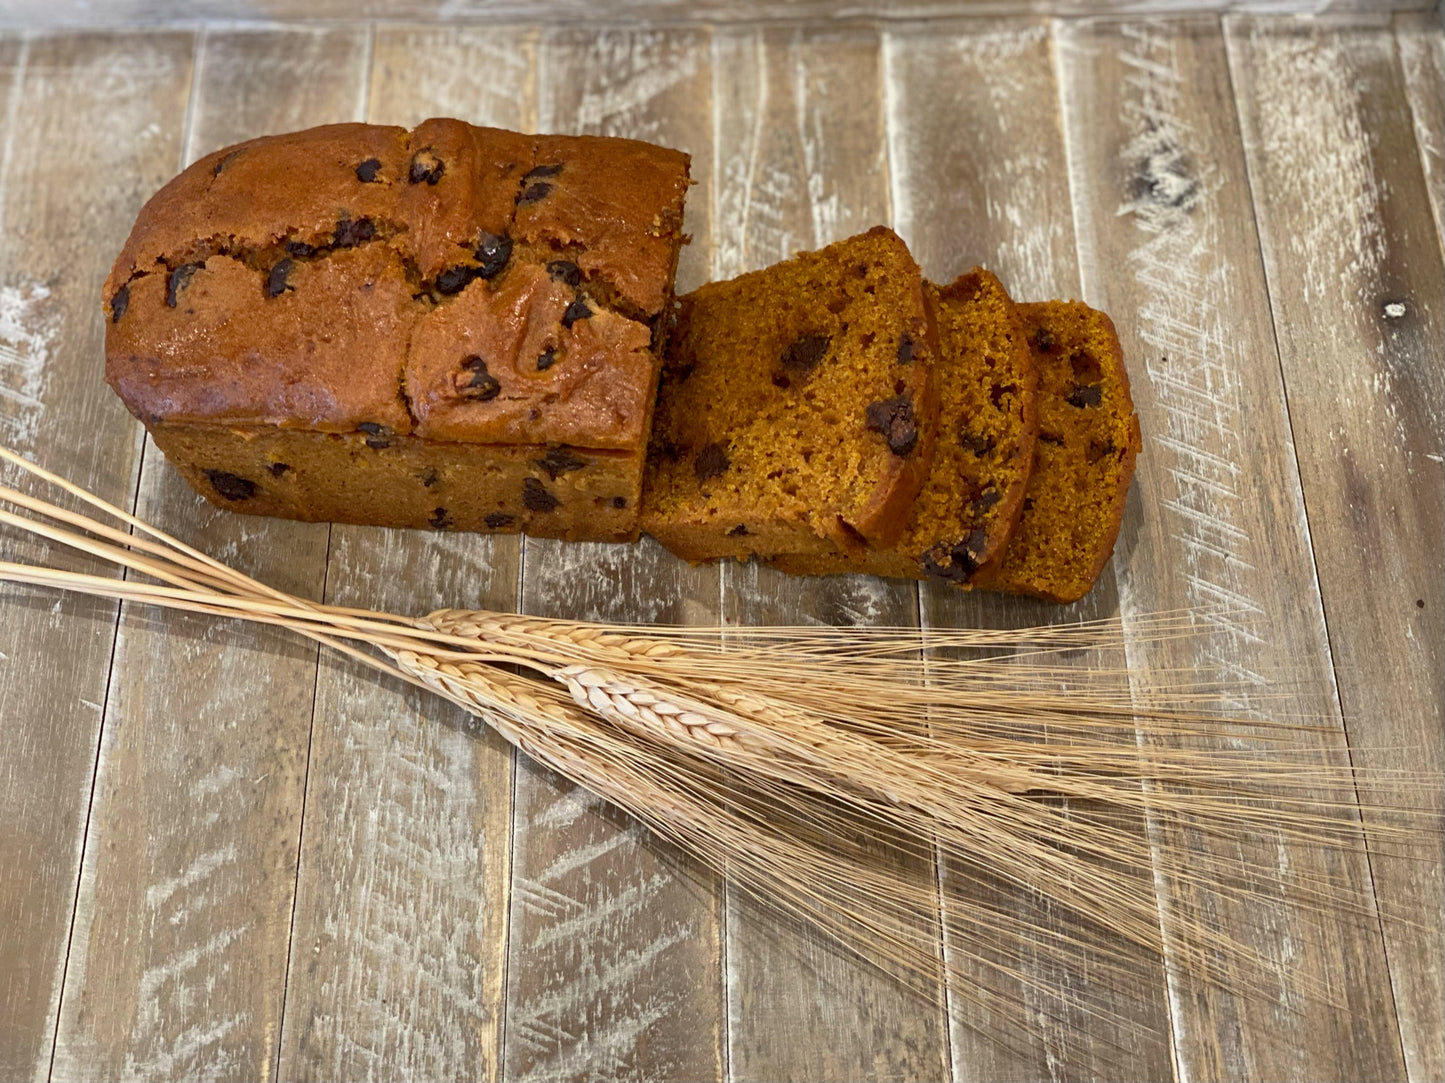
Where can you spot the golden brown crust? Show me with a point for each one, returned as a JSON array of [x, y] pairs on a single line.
[[465, 284]]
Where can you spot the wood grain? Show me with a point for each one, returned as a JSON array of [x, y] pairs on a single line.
[[613, 968], [84, 13], [1356, 288], [401, 917], [1421, 41], [201, 898], [64, 216], [978, 104], [802, 163], [1166, 244]]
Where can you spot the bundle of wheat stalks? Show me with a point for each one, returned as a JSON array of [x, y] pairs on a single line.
[[860, 778]]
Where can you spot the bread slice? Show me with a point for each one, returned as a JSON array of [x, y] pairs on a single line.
[[1084, 460], [798, 407], [987, 427]]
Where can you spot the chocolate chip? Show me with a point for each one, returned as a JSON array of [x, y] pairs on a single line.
[[978, 444], [441, 519], [985, 500], [231, 486], [454, 279], [577, 310], [905, 348], [546, 359], [498, 519], [119, 303], [482, 386], [803, 356], [493, 252], [366, 172], [618, 502], [1044, 340], [563, 270], [349, 234], [533, 192], [428, 476], [558, 461], [377, 435], [226, 161], [894, 419], [739, 531], [543, 171], [276, 283], [1090, 395], [535, 496], [179, 279], [426, 167], [998, 391], [300, 248], [955, 562], [711, 461], [277, 469]]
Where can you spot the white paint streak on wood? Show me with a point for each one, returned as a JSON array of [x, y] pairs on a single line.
[[29, 326], [1421, 42]]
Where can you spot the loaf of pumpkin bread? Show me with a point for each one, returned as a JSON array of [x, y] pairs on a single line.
[[451, 327]]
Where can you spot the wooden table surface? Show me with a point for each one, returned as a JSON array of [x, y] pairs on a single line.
[[224, 856]]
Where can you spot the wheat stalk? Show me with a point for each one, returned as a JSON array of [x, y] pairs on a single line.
[[829, 771]]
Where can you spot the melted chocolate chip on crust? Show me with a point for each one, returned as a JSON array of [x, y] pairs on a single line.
[[426, 167], [276, 283], [1090, 395], [226, 161], [482, 385], [577, 310], [428, 476], [349, 234], [231, 486], [905, 348], [119, 303], [377, 435], [711, 462], [804, 355], [498, 519], [558, 461], [739, 531], [893, 418], [300, 248], [179, 279], [441, 519], [535, 496], [277, 469], [493, 252], [955, 562], [546, 359], [366, 172], [455, 279], [618, 502], [533, 192], [564, 270], [550, 170]]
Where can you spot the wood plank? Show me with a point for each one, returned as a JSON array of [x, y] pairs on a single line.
[[1421, 41], [397, 950], [802, 160], [976, 103], [1356, 285], [655, 13], [63, 215], [613, 967], [1163, 216], [192, 890]]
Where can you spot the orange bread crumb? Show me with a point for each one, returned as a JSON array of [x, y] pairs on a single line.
[[987, 427], [798, 409], [1088, 442]]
